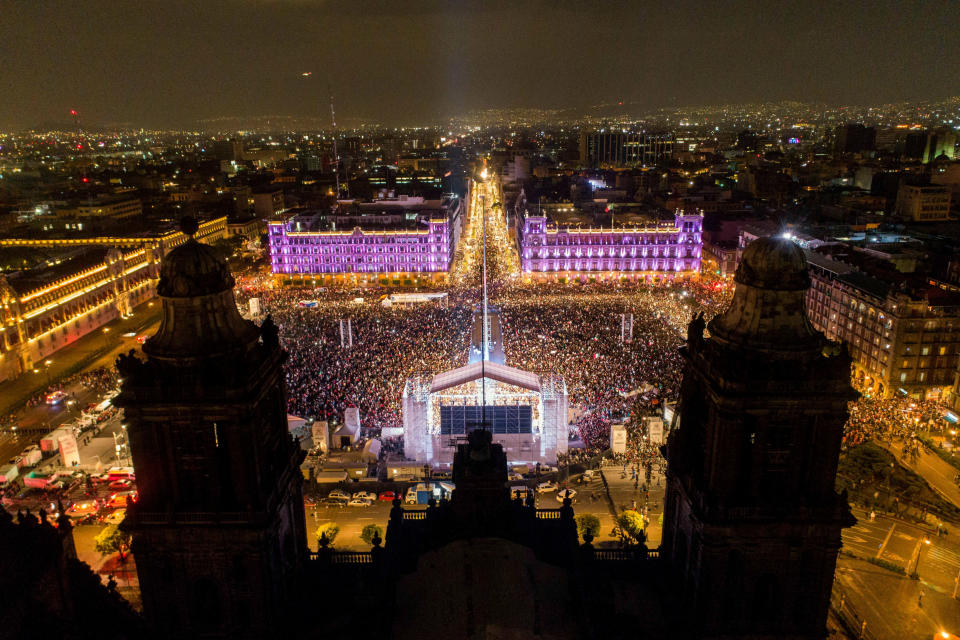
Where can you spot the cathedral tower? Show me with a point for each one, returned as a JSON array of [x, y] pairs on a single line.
[[752, 521], [218, 529]]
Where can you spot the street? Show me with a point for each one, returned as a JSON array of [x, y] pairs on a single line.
[[33, 423]]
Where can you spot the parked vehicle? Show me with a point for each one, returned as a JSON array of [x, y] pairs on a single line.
[[519, 490], [83, 509], [121, 499], [50, 443], [544, 487], [31, 455], [8, 472], [333, 502], [387, 496], [121, 485], [423, 492], [365, 495], [566, 493], [37, 480], [359, 502], [337, 493], [121, 473]]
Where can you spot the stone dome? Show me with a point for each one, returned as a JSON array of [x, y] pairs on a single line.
[[192, 270], [773, 263]]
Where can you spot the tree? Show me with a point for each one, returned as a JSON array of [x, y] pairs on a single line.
[[631, 525], [587, 523], [328, 529], [112, 540], [370, 532]]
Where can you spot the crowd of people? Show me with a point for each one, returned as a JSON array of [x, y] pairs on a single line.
[[389, 344], [897, 418], [571, 330]]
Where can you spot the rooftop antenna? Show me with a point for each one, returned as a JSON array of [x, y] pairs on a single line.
[[336, 156]]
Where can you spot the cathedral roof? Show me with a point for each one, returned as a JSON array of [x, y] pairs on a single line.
[[773, 263], [768, 310], [193, 269], [200, 317]]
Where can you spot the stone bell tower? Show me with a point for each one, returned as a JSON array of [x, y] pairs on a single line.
[[752, 521], [218, 529]]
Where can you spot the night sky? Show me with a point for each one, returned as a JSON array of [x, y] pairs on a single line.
[[406, 62]]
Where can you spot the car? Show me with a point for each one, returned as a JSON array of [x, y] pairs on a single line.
[[590, 475], [333, 502], [515, 477], [83, 509], [337, 493], [544, 487], [121, 485], [101, 478], [365, 495], [56, 397], [116, 517], [121, 499], [359, 502], [387, 496], [566, 493]]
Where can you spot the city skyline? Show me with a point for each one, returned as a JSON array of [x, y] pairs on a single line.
[[174, 64]]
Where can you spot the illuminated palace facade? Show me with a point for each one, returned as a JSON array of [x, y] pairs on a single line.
[[410, 241], [651, 253], [94, 281]]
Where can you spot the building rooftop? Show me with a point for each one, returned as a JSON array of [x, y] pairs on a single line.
[[70, 263]]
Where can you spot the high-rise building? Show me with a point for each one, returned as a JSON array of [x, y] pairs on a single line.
[[927, 146], [923, 203], [228, 150], [854, 138], [624, 149], [901, 340], [218, 529], [752, 520]]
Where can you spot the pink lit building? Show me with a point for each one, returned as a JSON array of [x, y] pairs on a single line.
[[648, 252], [408, 239]]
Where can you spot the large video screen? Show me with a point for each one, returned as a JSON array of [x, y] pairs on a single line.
[[500, 419]]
